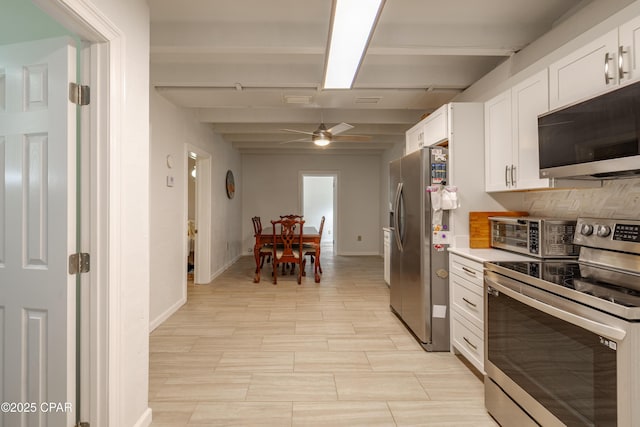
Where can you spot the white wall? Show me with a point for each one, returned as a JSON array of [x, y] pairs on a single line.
[[131, 349], [171, 128], [271, 187]]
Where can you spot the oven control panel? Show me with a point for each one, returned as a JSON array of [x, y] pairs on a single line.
[[614, 234], [627, 233]]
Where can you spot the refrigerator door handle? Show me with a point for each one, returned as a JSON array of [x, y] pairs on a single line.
[[396, 217]]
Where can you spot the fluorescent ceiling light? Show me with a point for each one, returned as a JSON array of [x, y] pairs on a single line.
[[352, 25]]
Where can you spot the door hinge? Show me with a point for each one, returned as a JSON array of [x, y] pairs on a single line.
[[83, 424], [79, 263], [79, 94]]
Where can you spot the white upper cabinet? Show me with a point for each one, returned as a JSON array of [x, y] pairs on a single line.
[[585, 72], [429, 131], [435, 127], [511, 136], [629, 35], [529, 99], [414, 138], [498, 143], [596, 67]]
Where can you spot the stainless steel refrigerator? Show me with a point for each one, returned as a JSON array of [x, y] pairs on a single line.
[[419, 265]]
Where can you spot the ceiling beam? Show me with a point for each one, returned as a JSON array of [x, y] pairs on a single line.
[[307, 115]]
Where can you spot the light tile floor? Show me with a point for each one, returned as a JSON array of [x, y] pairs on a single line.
[[331, 354]]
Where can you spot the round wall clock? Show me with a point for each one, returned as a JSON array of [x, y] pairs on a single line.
[[230, 184]]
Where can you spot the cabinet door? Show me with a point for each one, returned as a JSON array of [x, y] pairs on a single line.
[[629, 34], [435, 127], [529, 99], [414, 138], [498, 142], [587, 71]]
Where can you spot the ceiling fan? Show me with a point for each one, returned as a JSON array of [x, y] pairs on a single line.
[[323, 136]]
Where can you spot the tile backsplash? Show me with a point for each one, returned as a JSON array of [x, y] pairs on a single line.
[[618, 198]]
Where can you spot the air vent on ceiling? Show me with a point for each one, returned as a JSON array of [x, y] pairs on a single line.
[[368, 100], [297, 99]]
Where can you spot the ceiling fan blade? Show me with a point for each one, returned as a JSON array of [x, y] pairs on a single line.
[[339, 128], [296, 140], [351, 138], [297, 131]]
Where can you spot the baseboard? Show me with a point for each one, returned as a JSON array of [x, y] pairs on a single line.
[[167, 313], [359, 253], [144, 420], [225, 267]]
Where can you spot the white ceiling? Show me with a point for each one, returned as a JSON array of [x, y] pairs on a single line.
[[254, 67]]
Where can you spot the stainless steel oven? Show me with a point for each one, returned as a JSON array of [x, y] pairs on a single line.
[[562, 337]]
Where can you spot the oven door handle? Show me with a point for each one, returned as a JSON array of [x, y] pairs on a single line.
[[580, 321]]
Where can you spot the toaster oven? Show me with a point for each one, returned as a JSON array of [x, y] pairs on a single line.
[[538, 237]]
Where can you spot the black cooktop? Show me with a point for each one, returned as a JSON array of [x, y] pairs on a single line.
[[617, 287]]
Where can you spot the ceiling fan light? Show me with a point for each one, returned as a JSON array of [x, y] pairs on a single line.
[[321, 140], [352, 26]]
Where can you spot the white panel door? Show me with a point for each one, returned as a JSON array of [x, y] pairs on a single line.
[[37, 232]]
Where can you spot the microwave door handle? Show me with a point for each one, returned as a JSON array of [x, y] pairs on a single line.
[[594, 326]]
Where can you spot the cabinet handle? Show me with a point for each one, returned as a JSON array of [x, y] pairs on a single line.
[[506, 176], [513, 178], [470, 271], [607, 77], [621, 71], [469, 302], [475, 347]]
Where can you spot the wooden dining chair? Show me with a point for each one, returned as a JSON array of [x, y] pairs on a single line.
[[291, 216], [265, 249], [310, 248], [287, 245]]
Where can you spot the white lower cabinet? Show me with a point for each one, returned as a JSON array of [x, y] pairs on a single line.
[[467, 309]]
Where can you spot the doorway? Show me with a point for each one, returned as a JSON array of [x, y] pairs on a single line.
[[319, 199], [192, 228], [197, 208]]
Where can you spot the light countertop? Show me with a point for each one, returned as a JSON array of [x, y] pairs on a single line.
[[482, 255]]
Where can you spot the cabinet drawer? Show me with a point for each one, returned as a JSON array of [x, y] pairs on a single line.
[[470, 270], [467, 339], [467, 297]]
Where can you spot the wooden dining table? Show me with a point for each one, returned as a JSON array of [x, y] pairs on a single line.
[[309, 235]]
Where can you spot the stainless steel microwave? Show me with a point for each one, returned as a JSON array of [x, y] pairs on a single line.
[[595, 139]]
